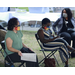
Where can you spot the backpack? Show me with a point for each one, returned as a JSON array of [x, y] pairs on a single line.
[[49, 62]]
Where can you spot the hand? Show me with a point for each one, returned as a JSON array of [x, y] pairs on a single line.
[[58, 36], [19, 53], [53, 35], [56, 33]]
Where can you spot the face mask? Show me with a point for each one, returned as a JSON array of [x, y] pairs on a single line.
[[46, 28], [17, 28], [65, 15]]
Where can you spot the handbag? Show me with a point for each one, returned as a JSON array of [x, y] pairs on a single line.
[[49, 62]]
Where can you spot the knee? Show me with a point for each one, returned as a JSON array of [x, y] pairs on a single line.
[[68, 36], [65, 35]]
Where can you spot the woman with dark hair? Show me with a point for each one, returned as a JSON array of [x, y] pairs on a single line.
[[65, 25], [49, 42], [14, 46]]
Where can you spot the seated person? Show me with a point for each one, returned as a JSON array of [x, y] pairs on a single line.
[[49, 42], [14, 46]]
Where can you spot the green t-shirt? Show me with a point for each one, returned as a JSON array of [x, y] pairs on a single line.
[[17, 41]]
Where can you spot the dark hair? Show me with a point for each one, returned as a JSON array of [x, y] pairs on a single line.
[[12, 23], [68, 11], [45, 21]]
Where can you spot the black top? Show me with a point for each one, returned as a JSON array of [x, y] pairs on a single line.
[[70, 25], [66, 25]]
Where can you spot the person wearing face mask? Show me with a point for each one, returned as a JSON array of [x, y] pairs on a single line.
[[50, 42], [14, 46], [65, 25]]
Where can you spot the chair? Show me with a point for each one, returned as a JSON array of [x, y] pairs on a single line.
[[3, 23], [6, 63], [44, 50]]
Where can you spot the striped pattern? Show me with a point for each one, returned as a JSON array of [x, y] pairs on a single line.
[[59, 44]]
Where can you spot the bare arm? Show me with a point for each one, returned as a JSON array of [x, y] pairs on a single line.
[[41, 36], [9, 46]]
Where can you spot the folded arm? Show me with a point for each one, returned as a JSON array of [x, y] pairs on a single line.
[[41, 36]]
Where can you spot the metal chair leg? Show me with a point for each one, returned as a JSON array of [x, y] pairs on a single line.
[[1, 52], [56, 60], [49, 55], [44, 53], [22, 64]]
